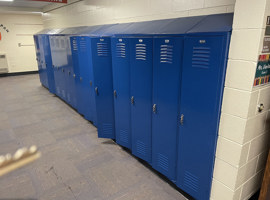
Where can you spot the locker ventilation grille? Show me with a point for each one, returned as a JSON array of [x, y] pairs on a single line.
[[191, 181], [83, 45], [107, 129], [124, 136], [57, 43], [52, 42], [121, 50], [201, 57], [75, 45], [62, 43], [102, 49], [141, 148], [166, 54], [140, 51], [163, 162]]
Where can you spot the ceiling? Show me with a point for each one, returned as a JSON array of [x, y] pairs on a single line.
[[25, 3]]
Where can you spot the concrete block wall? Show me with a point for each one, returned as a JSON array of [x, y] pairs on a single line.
[[94, 12], [244, 133]]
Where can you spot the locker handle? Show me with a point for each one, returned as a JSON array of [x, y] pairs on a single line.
[[155, 108], [182, 119], [96, 90], [115, 94], [132, 100]]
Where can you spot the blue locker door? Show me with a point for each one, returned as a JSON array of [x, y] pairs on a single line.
[[121, 87], [166, 89], [76, 73], [201, 94], [55, 64], [102, 68], [41, 62], [37, 46], [141, 74], [48, 62], [84, 47]]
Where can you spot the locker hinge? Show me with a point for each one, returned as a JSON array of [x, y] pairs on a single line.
[[96, 90], [114, 94], [132, 100]]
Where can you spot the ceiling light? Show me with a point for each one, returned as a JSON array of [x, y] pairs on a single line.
[[6, 0]]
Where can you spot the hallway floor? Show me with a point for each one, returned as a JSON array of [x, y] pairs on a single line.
[[75, 164]]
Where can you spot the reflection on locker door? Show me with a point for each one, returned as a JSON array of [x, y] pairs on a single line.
[[141, 73], [201, 94], [121, 87], [102, 68], [166, 91]]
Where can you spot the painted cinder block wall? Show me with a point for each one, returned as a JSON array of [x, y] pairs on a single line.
[[244, 133]]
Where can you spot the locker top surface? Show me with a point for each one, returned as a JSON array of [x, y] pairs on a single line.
[[49, 31], [214, 24]]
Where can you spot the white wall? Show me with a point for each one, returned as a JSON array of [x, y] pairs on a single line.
[[244, 133], [93, 12], [21, 29]]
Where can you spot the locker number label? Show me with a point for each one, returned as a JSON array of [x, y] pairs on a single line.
[[167, 41], [140, 40], [202, 41]]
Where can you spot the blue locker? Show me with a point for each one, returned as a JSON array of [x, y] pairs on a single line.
[[168, 50], [204, 66], [87, 78], [37, 46], [121, 89], [141, 73], [102, 69], [48, 63], [43, 71], [166, 89]]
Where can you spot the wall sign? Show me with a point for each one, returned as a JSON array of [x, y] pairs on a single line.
[[266, 45], [262, 75], [3, 28], [52, 1]]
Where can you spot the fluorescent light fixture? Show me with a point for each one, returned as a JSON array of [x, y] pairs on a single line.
[[7, 0]]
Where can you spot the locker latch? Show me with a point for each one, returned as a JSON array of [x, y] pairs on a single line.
[[96, 90], [114, 93], [182, 119], [132, 100], [155, 108]]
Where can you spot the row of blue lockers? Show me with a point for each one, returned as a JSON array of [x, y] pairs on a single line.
[[155, 87]]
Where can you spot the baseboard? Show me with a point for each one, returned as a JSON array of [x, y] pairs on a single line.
[[18, 73]]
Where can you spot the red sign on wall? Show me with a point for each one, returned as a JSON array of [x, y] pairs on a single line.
[[53, 1]]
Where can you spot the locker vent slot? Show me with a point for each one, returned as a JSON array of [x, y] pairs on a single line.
[[140, 51], [201, 57], [141, 148], [83, 45], [121, 50], [75, 45], [163, 162], [107, 129], [191, 181], [124, 136], [102, 49], [166, 54]]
